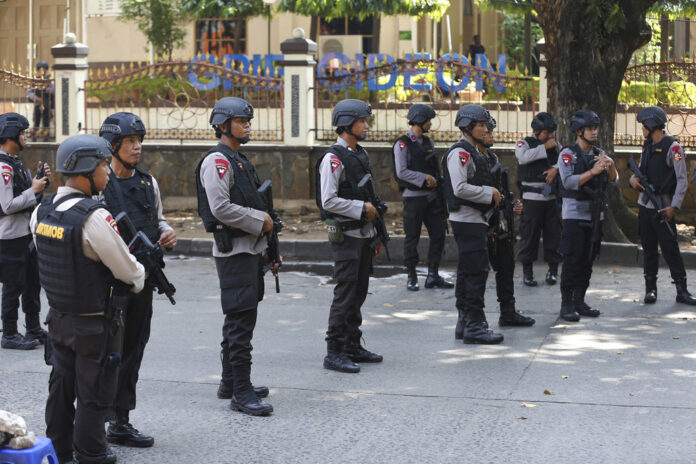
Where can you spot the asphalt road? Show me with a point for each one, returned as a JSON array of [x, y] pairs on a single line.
[[617, 389]]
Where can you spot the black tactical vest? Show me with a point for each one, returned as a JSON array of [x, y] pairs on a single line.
[[73, 282], [422, 159], [482, 176], [653, 163], [21, 180], [534, 171], [243, 192], [136, 196], [356, 164], [583, 162]]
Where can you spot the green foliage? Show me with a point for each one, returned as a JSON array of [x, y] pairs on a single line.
[[513, 28], [510, 6], [361, 9], [605, 17], [152, 89], [224, 8], [160, 20], [674, 8], [676, 93]]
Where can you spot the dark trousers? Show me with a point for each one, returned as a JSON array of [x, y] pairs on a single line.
[[539, 217], [502, 258], [652, 232], [418, 211], [80, 372], [42, 116], [472, 270], [21, 277], [136, 333], [241, 289], [576, 245], [352, 268]]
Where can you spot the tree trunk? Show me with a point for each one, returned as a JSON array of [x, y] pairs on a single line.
[[582, 74]]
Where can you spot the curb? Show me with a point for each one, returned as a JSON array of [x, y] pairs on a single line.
[[319, 251]]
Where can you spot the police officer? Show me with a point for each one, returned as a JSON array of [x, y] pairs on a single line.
[[537, 156], [585, 171], [664, 164], [81, 261], [43, 101], [234, 211], [135, 192], [470, 191], [19, 193], [345, 205], [417, 173]]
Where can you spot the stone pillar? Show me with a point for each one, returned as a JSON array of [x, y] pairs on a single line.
[[299, 112], [70, 72], [543, 83]]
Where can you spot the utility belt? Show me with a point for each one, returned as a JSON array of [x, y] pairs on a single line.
[[224, 235], [336, 228]]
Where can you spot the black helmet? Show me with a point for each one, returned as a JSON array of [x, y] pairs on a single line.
[[420, 114], [347, 111], [120, 125], [544, 121], [230, 107], [41, 64], [491, 123], [80, 154], [582, 119], [11, 124], [471, 113], [652, 116]]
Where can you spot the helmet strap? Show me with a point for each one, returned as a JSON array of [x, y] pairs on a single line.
[[477, 140], [15, 139], [582, 136], [228, 132], [128, 166], [359, 138], [90, 177]]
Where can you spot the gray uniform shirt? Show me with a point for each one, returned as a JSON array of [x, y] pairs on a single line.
[[401, 159], [332, 173], [572, 208], [461, 168], [676, 159], [526, 155], [217, 177], [15, 224]]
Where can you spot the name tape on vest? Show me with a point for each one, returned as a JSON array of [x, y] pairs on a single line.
[[50, 231]]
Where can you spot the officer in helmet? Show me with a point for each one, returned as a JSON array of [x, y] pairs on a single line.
[[134, 191], [82, 260], [234, 211], [537, 156], [348, 214], [664, 164], [585, 170], [43, 101], [470, 192], [19, 194], [418, 176]]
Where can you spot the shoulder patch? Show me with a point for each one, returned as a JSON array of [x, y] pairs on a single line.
[[6, 176], [520, 143], [676, 151], [335, 162], [7, 167], [567, 158], [222, 166], [402, 144], [464, 157], [112, 222]]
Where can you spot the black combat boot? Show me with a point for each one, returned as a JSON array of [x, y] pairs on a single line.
[[358, 354], [337, 360], [36, 333], [650, 290], [121, 432], [528, 271], [476, 330], [244, 400], [510, 317], [434, 280], [226, 390], [412, 283], [552, 275], [567, 308], [459, 329], [683, 295], [17, 342], [581, 307]]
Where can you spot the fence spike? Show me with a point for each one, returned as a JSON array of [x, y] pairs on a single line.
[[123, 68], [181, 55], [130, 66]]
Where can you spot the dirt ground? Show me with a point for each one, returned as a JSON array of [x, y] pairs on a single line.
[[305, 224]]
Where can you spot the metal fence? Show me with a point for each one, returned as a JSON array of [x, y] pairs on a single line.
[[175, 98], [391, 88], [32, 97]]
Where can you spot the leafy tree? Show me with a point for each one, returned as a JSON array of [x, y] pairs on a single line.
[[162, 22], [589, 44], [514, 38]]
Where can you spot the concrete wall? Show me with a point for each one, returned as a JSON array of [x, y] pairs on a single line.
[[292, 170]]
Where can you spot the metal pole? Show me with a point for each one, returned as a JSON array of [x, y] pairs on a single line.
[[269, 29], [30, 45]]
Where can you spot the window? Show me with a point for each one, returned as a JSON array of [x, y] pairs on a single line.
[[221, 37], [104, 7], [349, 26]]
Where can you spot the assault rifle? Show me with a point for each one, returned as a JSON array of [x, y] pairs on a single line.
[[367, 183], [439, 192], [649, 191], [598, 206], [501, 219], [149, 254], [266, 190]]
